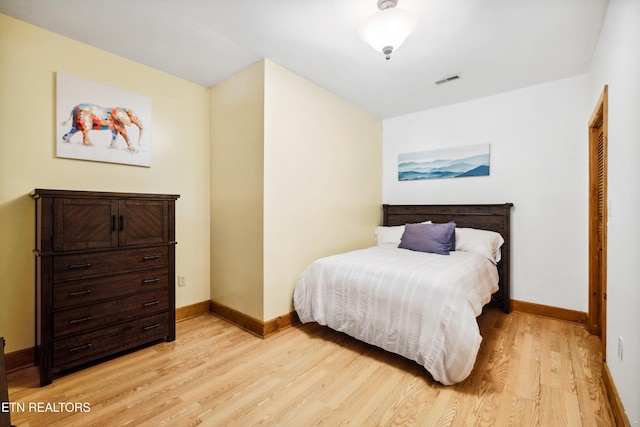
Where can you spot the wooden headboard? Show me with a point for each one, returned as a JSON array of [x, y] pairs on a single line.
[[486, 217]]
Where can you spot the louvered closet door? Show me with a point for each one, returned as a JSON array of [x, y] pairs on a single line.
[[601, 235], [598, 216]]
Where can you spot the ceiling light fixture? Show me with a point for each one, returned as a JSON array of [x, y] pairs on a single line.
[[388, 28]]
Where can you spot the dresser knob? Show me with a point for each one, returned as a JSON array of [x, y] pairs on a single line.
[[149, 304], [75, 294], [81, 347], [155, 325], [84, 319], [72, 266]]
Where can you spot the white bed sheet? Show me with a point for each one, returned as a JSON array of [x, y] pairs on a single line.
[[419, 305]]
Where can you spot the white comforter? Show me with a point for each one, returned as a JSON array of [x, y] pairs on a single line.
[[419, 305]]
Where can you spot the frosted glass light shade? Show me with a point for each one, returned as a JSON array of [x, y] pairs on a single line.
[[387, 28]]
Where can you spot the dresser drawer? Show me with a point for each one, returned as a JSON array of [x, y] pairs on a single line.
[[85, 318], [70, 294], [82, 266], [79, 349]]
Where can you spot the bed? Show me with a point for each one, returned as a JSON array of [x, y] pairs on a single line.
[[417, 304]]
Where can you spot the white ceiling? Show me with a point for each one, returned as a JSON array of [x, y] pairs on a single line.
[[495, 45]]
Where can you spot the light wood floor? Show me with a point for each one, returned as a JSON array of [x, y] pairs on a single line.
[[531, 371]]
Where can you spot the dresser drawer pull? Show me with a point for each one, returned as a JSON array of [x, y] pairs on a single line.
[[84, 319], [150, 257], [81, 347], [150, 303], [75, 294], [155, 325], [147, 281], [72, 266]]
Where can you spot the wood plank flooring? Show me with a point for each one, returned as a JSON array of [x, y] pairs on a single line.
[[531, 371]]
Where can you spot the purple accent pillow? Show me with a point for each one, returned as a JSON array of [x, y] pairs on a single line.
[[432, 238]]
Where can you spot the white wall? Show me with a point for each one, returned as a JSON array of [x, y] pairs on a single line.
[[617, 64], [539, 149]]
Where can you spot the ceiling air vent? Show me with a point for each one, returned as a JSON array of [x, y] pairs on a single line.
[[448, 79]]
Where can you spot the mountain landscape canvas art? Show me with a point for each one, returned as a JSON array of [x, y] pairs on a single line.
[[455, 162]]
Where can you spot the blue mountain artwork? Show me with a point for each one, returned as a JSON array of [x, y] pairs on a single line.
[[477, 165]]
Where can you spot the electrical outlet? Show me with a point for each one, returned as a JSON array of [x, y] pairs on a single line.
[[620, 349], [182, 281]]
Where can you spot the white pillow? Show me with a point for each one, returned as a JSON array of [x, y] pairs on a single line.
[[484, 242], [391, 234]]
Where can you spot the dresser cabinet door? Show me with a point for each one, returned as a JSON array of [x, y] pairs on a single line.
[[84, 224], [81, 224], [143, 222]]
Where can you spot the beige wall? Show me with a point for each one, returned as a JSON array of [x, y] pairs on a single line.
[[296, 175], [322, 182], [263, 193], [237, 134], [29, 58]]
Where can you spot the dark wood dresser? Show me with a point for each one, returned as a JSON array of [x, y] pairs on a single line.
[[5, 413], [105, 275]]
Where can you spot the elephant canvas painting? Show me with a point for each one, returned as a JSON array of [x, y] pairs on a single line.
[[101, 123]]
